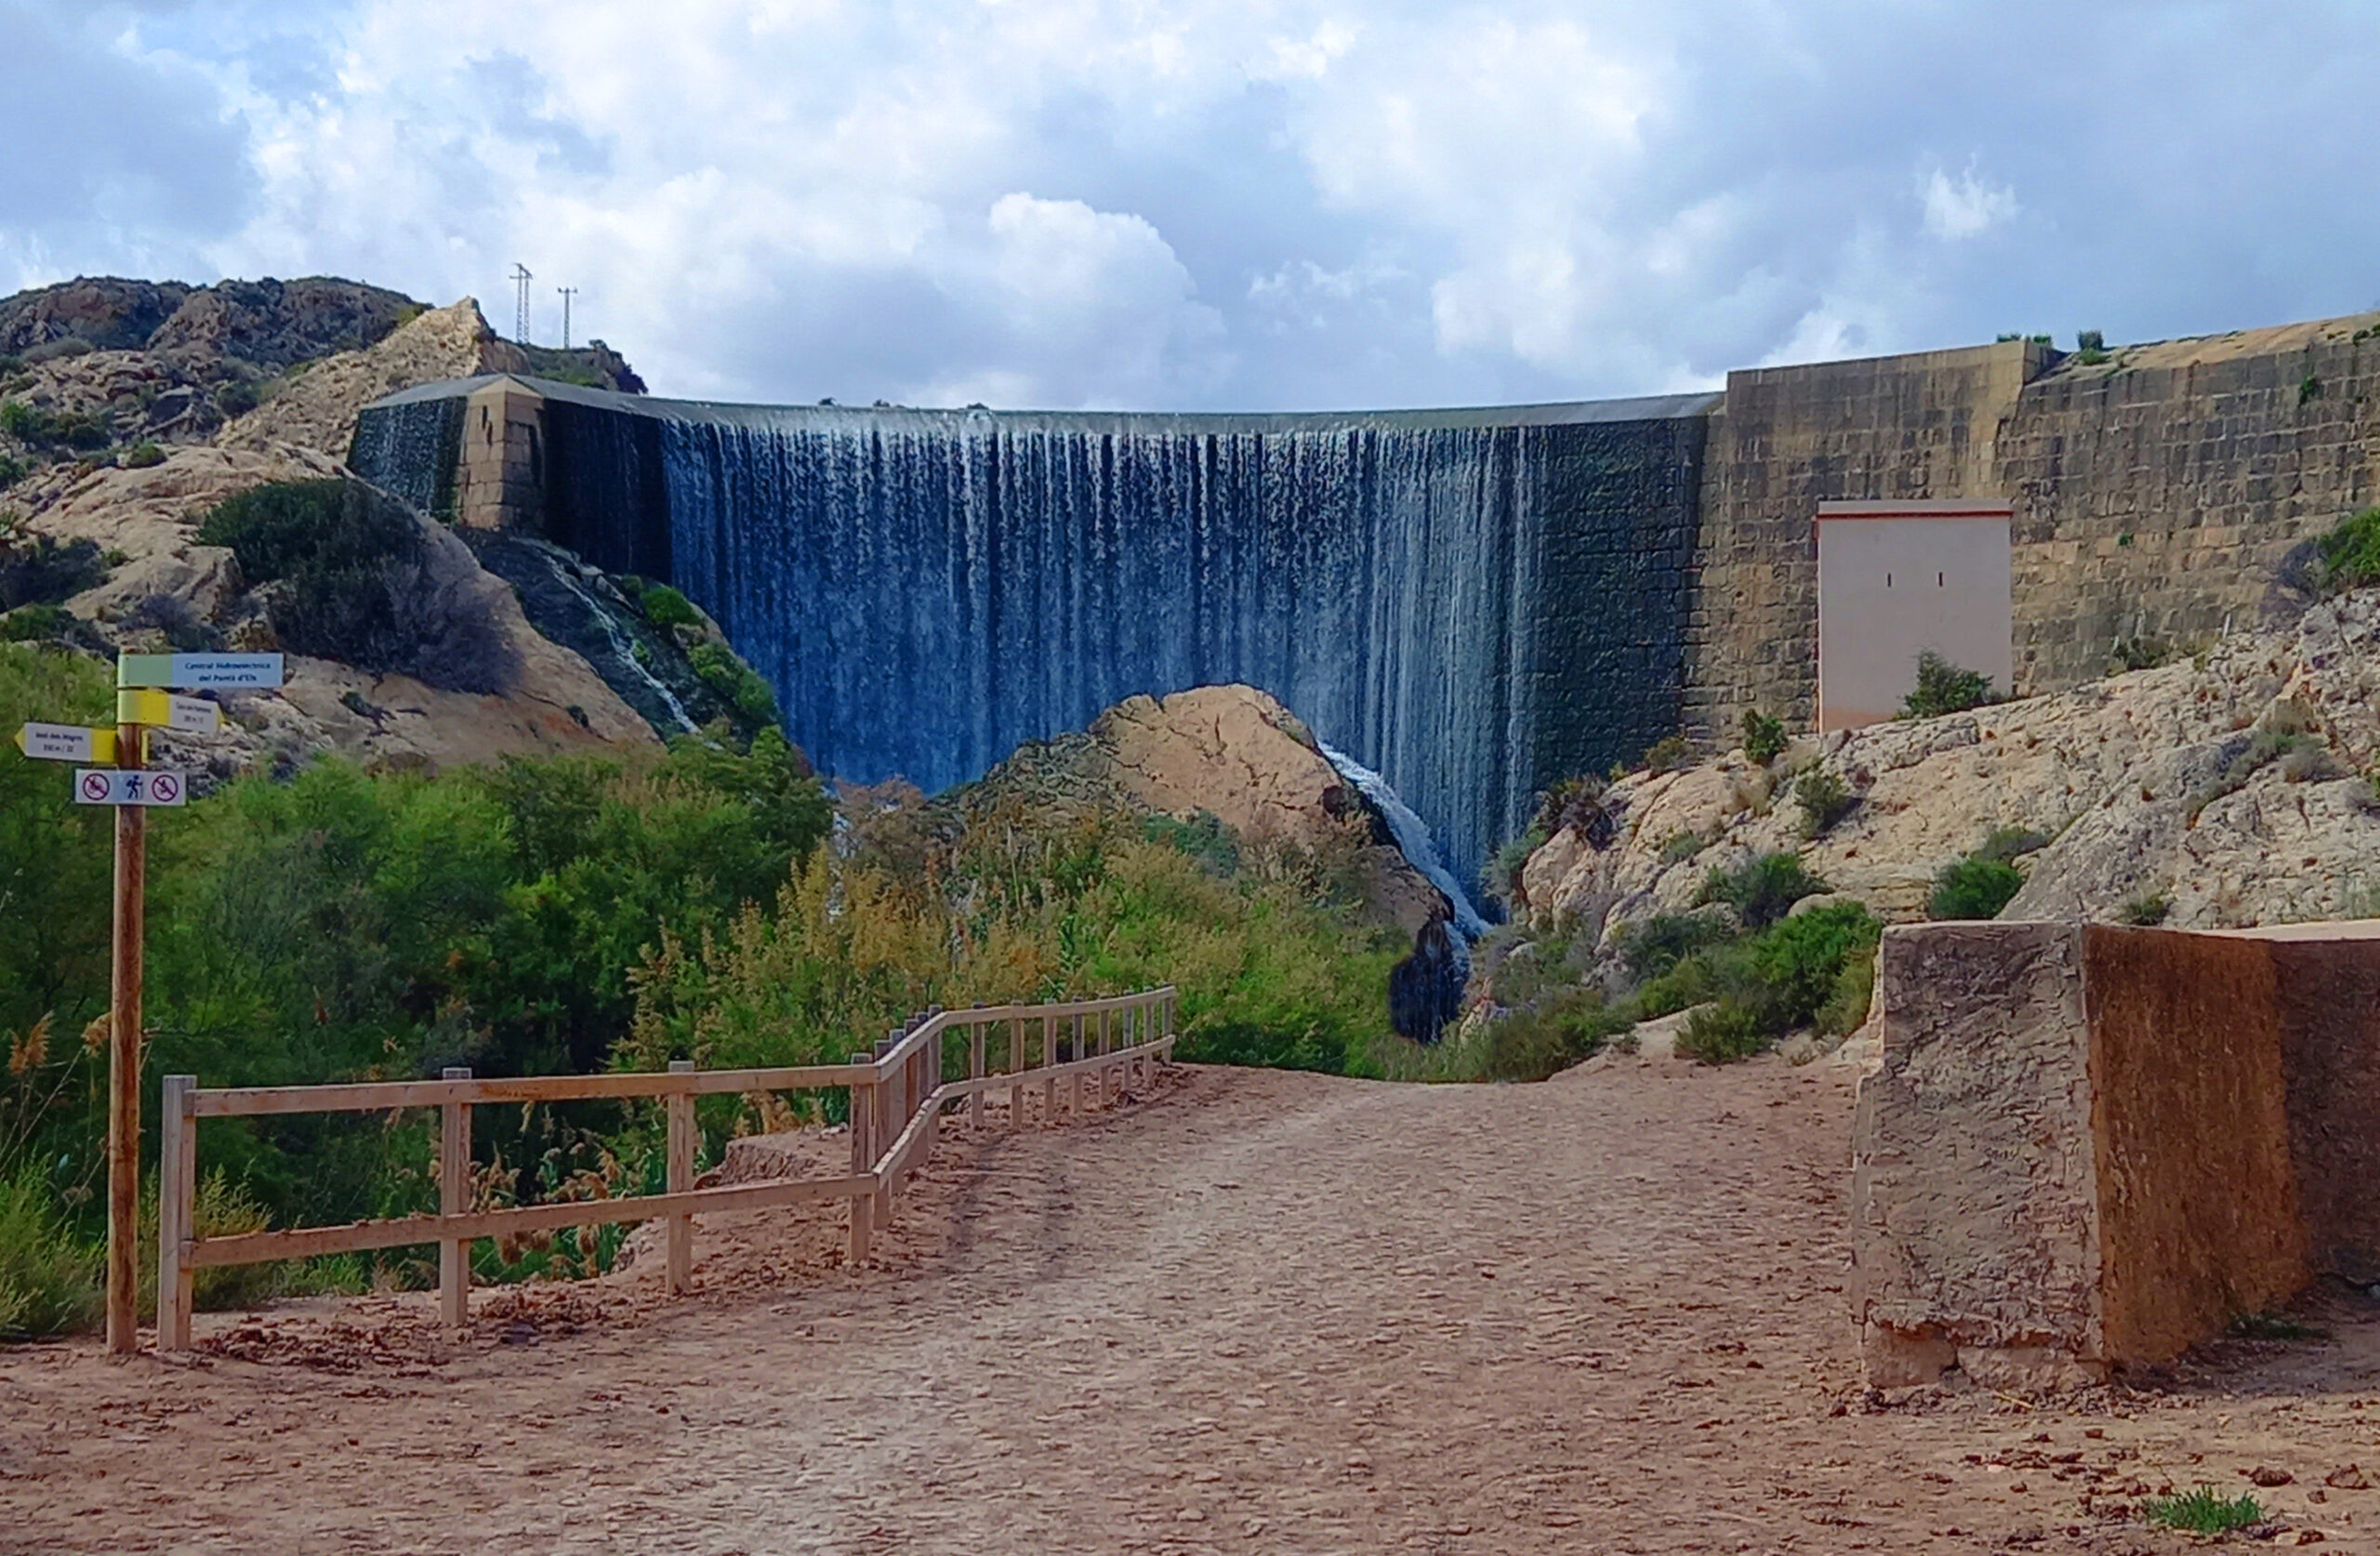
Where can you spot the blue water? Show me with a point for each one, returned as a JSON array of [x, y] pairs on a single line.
[[928, 590]]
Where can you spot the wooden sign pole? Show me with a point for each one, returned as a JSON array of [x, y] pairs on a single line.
[[124, 1059]]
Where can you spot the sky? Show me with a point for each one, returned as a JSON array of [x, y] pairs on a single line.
[[1207, 204]]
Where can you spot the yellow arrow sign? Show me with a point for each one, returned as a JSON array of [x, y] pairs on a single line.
[[68, 742], [191, 715]]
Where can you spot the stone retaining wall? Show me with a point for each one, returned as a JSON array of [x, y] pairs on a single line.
[[2088, 1147]]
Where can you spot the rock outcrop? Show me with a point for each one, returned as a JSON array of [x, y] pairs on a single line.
[[2224, 791], [317, 409], [1233, 753]]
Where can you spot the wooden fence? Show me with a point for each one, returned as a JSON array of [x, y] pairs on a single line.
[[896, 1094]]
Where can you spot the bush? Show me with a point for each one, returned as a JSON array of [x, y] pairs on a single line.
[[736, 683], [1846, 1005], [1653, 947], [1763, 736], [1722, 1033], [1576, 804], [1973, 888], [49, 1283], [1679, 847], [1763, 891], [141, 456], [1669, 754], [38, 571], [12, 470], [2351, 552], [665, 607], [1943, 687], [1502, 876], [2145, 912], [1824, 798]]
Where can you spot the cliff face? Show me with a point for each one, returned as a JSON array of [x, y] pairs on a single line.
[[2231, 790], [137, 411]]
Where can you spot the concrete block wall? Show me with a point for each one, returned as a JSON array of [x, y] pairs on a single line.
[[500, 470], [1883, 429], [2088, 1147], [2156, 495]]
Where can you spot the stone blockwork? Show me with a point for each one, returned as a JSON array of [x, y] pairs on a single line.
[[2158, 494], [500, 473], [2088, 1147], [1787, 438]]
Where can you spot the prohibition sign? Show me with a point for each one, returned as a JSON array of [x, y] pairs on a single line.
[[95, 786], [165, 788]]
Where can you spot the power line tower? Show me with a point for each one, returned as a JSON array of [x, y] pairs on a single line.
[[521, 314], [567, 293]]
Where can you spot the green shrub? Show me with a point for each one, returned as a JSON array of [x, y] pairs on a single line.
[[1824, 798], [1973, 888], [1668, 754], [1723, 1032], [141, 456], [2145, 912], [2351, 552], [1533, 1042], [1763, 891], [1503, 872], [736, 683], [1943, 687], [12, 470], [1846, 1004], [1763, 736], [2139, 654], [2090, 340], [1653, 947], [665, 607], [237, 397], [1576, 804], [1798, 963], [2203, 1511], [32, 623], [1204, 837], [49, 1283]]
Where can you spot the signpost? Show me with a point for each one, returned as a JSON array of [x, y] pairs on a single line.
[[117, 773]]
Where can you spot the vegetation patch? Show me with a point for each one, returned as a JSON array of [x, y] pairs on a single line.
[[2203, 1510], [1943, 687], [1762, 891], [1825, 799], [1763, 736], [2350, 554]]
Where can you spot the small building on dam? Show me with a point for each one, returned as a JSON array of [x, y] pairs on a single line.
[[1472, 603]]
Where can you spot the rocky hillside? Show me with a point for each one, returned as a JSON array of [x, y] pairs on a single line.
[[129, 410], [2228, 789]]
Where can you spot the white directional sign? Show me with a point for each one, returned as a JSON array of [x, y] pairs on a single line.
[[67, 743], [186, 670], [100, 786]]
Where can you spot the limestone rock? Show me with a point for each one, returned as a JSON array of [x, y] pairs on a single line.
[[2136, 780], [317, 410]]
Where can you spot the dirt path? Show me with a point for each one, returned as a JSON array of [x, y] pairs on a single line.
[[1270, 1312]]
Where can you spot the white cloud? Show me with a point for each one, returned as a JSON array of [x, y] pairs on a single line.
[[1208, 202], [1966, 208]]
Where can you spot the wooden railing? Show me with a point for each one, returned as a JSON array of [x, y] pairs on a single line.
[[896, 1094]]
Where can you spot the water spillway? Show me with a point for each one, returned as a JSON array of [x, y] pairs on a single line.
[[1470, 604]]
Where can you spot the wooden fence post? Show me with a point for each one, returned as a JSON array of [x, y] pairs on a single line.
[[889, 1117], [176, 1199], [680, 1108], [455, 1199], [1049, 1056], [1016, 1067], [862, 1116], [975, 1073], [1082, 1081]]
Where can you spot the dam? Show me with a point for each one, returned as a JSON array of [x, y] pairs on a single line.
[[1471, 603]]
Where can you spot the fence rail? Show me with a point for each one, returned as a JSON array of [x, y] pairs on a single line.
[[896, 1094]]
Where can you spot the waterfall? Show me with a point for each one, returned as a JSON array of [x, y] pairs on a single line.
[[1468, 605], [1412, 834]]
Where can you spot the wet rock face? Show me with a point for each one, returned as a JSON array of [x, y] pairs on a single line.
[[1425, 989]]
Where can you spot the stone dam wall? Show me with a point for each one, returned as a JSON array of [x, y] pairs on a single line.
[[1475, 603]]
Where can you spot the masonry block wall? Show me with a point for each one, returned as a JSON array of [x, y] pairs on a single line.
[[2088, 1147], [500, 472], [2157, 494]]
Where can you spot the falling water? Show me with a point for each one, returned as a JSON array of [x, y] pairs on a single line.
[[1413, 839], [1467, 603]]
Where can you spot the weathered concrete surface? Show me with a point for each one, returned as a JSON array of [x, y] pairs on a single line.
[[2197, 1199], [1974, 1213], [2088, 1147]]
